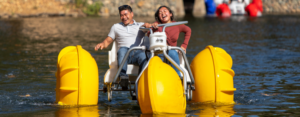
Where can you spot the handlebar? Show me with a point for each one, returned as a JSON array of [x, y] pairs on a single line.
[[165, 25]]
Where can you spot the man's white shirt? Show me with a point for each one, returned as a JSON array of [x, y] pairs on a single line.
[[127, 36]]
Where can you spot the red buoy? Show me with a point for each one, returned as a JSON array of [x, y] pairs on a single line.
[[259, 4], [255, 8], [223, 10]]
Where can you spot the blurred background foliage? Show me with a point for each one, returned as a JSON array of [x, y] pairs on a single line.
[[89, 7]]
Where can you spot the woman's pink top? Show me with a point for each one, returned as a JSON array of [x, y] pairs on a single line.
[[173, 34]]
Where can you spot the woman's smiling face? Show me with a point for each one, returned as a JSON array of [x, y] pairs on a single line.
[[165, 15]]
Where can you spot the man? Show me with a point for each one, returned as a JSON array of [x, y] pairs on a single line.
[[127, 35]]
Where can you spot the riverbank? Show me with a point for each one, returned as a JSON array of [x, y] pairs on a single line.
[[82, 8], [281, 6], [37, 8]]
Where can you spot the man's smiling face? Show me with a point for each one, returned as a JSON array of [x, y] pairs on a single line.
[[126, 17]]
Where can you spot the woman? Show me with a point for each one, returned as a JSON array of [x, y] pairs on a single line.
[[165, 15]]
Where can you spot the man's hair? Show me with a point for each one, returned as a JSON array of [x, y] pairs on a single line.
[[157, 14], [124, 7]]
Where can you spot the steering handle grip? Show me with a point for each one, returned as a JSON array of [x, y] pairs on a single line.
[[165, 25]]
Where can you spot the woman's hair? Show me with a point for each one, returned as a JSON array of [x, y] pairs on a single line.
[[157, 14]]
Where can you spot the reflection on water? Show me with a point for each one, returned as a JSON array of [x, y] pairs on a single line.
[[90, 111], [163, 115], [265, 53], [212, 109]]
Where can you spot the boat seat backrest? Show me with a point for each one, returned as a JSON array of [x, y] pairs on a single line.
[[112, 56], [113, 61]]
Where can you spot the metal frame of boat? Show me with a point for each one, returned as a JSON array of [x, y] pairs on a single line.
[[111, 76]]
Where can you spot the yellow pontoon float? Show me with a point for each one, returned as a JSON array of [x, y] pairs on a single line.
[[77, 80], [158, 88]]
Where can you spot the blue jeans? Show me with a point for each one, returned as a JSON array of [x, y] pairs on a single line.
[[174, 55], [136, 57]]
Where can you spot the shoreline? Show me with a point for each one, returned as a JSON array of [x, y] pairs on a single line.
[[43, 15], [77, 15]]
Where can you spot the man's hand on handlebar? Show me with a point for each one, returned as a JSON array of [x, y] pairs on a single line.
[[155, 25], [148, 25]]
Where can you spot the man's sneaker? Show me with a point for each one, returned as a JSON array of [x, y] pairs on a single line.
[[124, 82]]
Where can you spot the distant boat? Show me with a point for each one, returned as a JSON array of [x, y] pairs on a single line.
[[237, 7], [226, 8]]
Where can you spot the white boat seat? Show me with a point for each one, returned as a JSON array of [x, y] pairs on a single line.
[[113, 65]]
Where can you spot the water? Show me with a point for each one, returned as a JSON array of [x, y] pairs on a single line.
[[265, 53]]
